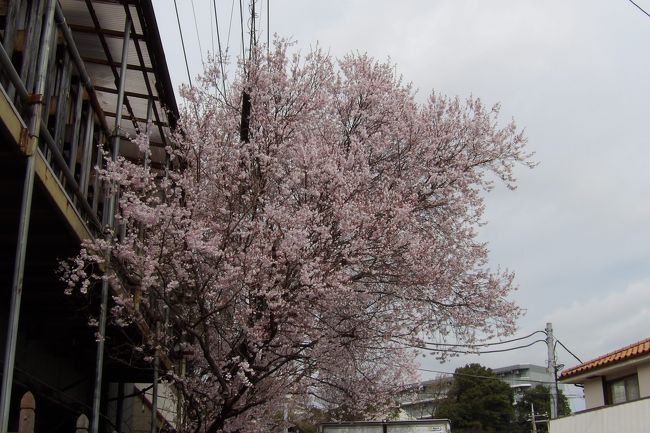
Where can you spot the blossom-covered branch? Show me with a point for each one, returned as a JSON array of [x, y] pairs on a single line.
[[291, 260]]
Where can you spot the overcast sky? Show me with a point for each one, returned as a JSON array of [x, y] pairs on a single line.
[[576, 75]]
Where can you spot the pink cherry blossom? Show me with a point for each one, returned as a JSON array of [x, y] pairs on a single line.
[[301, 263]]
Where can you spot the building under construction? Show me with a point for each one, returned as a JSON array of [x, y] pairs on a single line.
[[78, 78]]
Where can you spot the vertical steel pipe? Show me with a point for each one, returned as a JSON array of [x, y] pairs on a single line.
[[14, 78], [23, 228], [62, 100], [120, 89], [96, 184], [154, 389], [147, 129], [108, 220], [31, 35], [76, 131], [87, 152], [11, 21]]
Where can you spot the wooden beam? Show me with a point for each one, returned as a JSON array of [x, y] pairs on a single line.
[[13, 123]]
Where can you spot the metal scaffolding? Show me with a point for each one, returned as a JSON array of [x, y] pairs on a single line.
[[59, 84]]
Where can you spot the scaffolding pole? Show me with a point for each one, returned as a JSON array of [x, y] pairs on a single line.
[[23, 227], [108, 220]]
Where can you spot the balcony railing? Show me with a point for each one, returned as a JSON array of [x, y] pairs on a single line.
[[72, 124], [73, 108]]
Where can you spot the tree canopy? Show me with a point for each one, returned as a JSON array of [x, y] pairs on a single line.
[[478, 402], [314, 223]]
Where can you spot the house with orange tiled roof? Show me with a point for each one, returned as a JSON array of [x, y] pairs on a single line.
[[617, 392]]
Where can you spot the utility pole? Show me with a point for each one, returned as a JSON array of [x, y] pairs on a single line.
[[532, 417], [552, 368]]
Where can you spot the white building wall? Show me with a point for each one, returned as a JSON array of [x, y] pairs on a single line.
[[430, 426], [632, 417], [644, 380], [594, 395]]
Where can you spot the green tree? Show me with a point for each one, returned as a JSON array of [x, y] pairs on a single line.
[[540, 397], [478, 402]]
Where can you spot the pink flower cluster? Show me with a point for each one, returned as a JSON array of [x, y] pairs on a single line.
[[307, 259]]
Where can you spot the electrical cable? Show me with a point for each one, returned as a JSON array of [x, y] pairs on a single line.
[[212, 26], [495, 343], [261, 12], [268, 26], [252, 35], [567, 349], [640, 8], [196, 27], [241, 25], [232, 10], [491, 351], [180, 30], [223, 72], [483, 377], [472, 352], [253, 28]]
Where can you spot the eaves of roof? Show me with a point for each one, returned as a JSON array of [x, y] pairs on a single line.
[[626, 353]]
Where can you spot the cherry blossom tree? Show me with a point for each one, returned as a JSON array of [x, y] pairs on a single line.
[[314, 224]]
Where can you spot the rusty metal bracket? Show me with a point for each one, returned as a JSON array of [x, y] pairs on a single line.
[[24, 141], [34, 98]]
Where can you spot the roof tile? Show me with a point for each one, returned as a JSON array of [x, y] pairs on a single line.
[[639, 348]]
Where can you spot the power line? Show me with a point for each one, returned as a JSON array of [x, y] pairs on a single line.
[[261, 13], [196, 27], [473, 352], [212, 26], [241, 24], [223, 72], [484, 377], [495, 350], [640, 8], [567, 349], [252, 38], [232, 10], [180, 30], [494, 343]]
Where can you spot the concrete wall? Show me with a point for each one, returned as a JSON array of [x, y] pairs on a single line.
[[594, 394], [167, 400], [632, 417]]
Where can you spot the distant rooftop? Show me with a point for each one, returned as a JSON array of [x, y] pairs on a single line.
[[510, 368]]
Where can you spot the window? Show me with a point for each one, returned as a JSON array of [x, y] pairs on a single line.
[[623, 389]]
